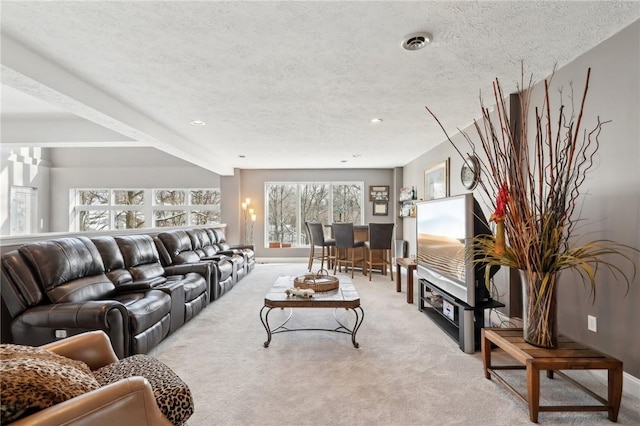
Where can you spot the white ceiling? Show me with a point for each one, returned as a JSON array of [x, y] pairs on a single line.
[[285, 84]]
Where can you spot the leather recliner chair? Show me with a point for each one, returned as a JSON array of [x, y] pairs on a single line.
[[128, 401], [59, 288], [236, 252], [177, 248], [142, 260]]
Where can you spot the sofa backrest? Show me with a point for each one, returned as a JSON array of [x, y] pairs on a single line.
[[20, 288], [140, 256], [178, 245], [112, 259], [220, 239], [68, 269], [202, 243]]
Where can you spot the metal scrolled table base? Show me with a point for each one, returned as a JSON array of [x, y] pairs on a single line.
[[282, 328]]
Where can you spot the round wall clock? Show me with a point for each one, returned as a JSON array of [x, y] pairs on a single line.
[[470, 172]]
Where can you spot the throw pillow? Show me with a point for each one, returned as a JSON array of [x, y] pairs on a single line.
[[172, 395], [33, 379]]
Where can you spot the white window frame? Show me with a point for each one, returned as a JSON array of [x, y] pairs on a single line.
[[300, 226], [148, 207]]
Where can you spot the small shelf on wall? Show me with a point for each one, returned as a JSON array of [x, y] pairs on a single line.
[[407, 208], [407, 200]]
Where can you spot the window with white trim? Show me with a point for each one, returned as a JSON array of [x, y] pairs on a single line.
[[289, 205], [130, 208]]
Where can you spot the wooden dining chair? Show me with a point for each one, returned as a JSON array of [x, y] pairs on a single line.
[[346, 247], [317, 240], [380, 240]]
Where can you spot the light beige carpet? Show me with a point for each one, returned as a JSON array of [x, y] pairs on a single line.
[[406, 371]]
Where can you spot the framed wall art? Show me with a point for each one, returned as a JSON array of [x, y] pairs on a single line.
[[436, 181], [379, 193], [380, 208]]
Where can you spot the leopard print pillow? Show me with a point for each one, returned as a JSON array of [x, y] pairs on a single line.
[[33, 379], [172, 395]]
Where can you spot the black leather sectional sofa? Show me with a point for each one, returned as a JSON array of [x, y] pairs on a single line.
[[137, 288]]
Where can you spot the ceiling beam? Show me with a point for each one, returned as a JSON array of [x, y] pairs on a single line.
[[29, 72]]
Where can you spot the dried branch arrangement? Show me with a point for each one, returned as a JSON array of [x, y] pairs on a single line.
[[540, 172]]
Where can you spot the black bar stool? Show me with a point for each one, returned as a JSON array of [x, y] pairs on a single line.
[[380, 240], [316, 234], [345, 243]]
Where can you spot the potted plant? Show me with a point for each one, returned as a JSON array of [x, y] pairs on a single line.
[[533, 181]]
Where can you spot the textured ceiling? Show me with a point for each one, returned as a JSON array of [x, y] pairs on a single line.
[[288, 84]]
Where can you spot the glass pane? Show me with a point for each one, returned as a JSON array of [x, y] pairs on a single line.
[[128, 197], [93, 197], [205, 197], [128, 219], [314, 206], [95, 220], [347, 203], [204, 217], [165, 218], [164, 197], [281, 221]]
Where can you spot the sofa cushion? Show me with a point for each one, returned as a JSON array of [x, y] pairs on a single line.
[[140, 256], [68, 269], [145, 309], [193, 283], [34, 379], [171, 393]]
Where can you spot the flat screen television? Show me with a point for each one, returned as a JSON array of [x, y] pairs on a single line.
[[445, 227]]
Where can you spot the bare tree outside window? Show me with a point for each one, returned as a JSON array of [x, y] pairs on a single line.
[[165, 197], [93, 220], [347, 203], [282, 205], [289, 206], [314, 206], [164, 218], [204, 217], [205, 197], [101, 209], [88, 197]]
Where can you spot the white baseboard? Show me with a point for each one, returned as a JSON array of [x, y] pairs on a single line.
[[282, 260], [630, 384]]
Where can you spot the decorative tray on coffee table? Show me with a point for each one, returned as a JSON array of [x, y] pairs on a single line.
[[320, 281]]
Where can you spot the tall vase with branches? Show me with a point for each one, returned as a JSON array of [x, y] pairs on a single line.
[[533, 181]]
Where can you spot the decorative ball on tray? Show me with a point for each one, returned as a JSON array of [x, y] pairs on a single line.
[[320, 281]]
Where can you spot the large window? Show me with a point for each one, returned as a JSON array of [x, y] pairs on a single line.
[[104, 209], [290, 205]]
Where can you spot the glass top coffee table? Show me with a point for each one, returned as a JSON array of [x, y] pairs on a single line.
[[345, 297]]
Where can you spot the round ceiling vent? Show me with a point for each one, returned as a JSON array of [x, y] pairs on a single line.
[[416, 41]]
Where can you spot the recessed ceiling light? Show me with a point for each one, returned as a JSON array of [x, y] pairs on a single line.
[[198, 123], [241, 156], [375, 120], [356, 155], [343, 161], [416, 41]]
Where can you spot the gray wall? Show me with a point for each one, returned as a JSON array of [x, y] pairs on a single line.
[[611, 206], [250, 184], [117, 168]]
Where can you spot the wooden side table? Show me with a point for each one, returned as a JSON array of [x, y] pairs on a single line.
[[411, 266], [568, 356]]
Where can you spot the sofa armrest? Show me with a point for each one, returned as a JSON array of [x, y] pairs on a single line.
[[227, 252], [243, 246], [141, 285], [202, 268], [93, 348], [127, 401], [40, 324]]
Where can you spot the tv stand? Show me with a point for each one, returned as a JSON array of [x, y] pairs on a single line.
[[459, 320]]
